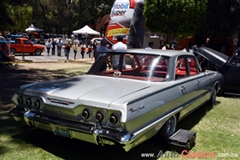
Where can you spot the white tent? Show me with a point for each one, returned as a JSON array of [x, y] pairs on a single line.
[[86, 30], [32, 28]]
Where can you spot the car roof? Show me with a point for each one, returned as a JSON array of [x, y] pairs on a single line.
[[22, 38], [169, 53], [97, 39], [16, 35]]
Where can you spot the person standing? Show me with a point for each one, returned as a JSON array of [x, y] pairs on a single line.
[[90, 48], [4, 57], [164, 47], [53, 46], [188, 49], [59, 46], [207, 43], [97, 52], [48, 46], [67, 49], [118, 46], [150, 45], [100, 49], [83, 48], [94, 44], [75, 48]]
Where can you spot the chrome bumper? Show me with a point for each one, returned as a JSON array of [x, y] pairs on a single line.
[[85, 132]]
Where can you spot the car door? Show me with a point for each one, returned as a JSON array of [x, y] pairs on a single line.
[[201, 80], [18, 46], [186, 84], [28, 46]]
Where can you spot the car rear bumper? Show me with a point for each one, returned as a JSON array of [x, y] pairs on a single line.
[[72, 129]]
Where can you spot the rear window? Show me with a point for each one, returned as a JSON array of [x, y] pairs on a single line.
[[131, 66]]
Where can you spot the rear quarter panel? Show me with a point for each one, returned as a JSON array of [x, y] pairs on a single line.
[[147, 106]]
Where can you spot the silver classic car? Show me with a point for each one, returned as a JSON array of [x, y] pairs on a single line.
[[126, 97]]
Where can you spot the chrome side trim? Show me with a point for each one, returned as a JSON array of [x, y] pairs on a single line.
[[171, 113], [154, 123]]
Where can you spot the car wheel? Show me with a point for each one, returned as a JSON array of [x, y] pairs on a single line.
[[213, 99], [12, 51], [168, 129], [38, 52], [221, 92]]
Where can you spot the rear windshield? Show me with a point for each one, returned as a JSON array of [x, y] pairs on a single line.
[[131, 66]]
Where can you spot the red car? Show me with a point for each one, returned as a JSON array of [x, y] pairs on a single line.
[[25, 45]]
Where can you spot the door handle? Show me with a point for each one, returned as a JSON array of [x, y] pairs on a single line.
[[183, 87], [198, 82]]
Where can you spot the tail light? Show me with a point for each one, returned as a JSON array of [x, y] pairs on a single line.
[[29, 102], [99, 116], [37, 104], [86, 113], [113, 118], [20, 100]]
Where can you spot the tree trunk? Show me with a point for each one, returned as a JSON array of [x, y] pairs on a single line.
[[44, 16]]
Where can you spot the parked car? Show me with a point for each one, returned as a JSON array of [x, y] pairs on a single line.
[[14, 36], [146, 94], [26, 46], [229, 67], [97, 39]]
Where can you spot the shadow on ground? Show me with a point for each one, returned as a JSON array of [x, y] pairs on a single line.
[[11, 80]]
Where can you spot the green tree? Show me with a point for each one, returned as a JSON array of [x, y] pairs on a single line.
[[64, 16], [182, 17], [14, 14], [221, 20]]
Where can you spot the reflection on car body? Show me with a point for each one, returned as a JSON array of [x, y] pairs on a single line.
[[126, 105]]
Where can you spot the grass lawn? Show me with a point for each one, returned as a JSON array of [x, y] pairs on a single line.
[[217, 129]]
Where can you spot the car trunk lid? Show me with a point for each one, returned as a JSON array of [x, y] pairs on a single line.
[[217, 58], [88, 88]]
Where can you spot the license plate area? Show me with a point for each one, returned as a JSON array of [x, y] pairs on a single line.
[[62, 131]]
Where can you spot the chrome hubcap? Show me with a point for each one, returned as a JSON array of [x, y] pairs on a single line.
[[38, 52], [171, 126]]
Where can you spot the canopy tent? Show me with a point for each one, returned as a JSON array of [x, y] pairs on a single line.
[[86, 30], [32, 28]]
